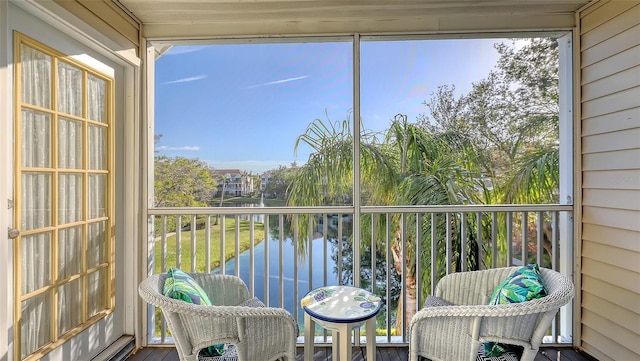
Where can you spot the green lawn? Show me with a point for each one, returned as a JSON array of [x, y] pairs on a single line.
[[200, 265]]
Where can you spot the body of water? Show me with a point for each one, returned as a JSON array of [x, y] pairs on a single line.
[[285, 264]]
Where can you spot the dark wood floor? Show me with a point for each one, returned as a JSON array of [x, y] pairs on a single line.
[[383, 354]]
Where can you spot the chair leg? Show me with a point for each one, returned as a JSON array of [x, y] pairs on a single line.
[[528, 354]]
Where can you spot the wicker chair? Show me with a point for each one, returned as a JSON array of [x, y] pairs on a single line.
[[457, 332], [258, 333]]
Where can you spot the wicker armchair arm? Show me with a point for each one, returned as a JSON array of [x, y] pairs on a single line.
[[235, 311], [508, 310]]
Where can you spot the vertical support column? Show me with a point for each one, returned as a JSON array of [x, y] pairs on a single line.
[[566, 241], [356, 160], [356, 233], [146, 159], [6, 194]]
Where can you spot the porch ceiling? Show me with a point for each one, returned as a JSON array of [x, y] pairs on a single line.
[[170, 19]]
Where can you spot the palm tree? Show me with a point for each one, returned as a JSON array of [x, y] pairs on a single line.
[[327, 177], [436, 169], [508, 121], [411, 167]]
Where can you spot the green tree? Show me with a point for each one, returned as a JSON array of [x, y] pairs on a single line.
[[510, 113], [536, 174], [280, 181], [182, 182], [512, 117]]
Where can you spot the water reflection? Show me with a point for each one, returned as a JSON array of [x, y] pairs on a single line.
[[288, 260]]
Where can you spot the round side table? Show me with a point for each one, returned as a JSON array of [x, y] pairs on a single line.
[[340, 309]]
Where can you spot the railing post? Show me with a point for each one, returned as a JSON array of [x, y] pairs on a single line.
[[449, 243], [179, 242], [525, 236], [237, 244], [494, 239], [540, 239], [434, 250], [509, 239], [223, 237], [463, 242], [480, 260], [207, 245], [281, 263], [418, 264], [193, 243]]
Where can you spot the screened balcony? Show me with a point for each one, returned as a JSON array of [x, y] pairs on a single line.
[[601, 104]]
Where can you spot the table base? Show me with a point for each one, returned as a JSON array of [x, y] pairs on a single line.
[[341, 346]]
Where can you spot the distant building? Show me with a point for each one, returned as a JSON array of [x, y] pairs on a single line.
[[264, 180], [233, 182]]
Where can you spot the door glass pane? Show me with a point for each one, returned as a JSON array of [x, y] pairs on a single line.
[[35, 252], [96, 248], [97, 183], [97, 147], [69, 198], [35, 201], [36, 139], [96, 289], [35, 327], [69, 89], [96, 99], [69, 252], [69, 144], [36, 77], [69, 303]]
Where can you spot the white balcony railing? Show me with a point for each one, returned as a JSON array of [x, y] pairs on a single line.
[[284, 252]]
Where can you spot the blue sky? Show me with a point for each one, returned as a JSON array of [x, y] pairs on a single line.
[[243, 105]]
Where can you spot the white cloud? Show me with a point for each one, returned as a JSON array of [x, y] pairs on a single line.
[[279, 81], [178, 50], [186, 147], [185, 80]]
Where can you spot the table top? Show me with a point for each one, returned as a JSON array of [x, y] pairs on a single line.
[[341, 304]]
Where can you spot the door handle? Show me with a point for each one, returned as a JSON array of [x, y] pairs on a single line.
[[13, 233]]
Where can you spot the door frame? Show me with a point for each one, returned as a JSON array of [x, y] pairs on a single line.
[[127, 144], [6, 191]]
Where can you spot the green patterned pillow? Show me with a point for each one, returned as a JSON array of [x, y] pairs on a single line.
[[524, 284], [180, 286]]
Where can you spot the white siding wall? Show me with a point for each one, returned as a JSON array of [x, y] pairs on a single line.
[[610, 114]]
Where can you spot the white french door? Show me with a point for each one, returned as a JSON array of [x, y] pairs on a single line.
[[63, 264], [65, 298]]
